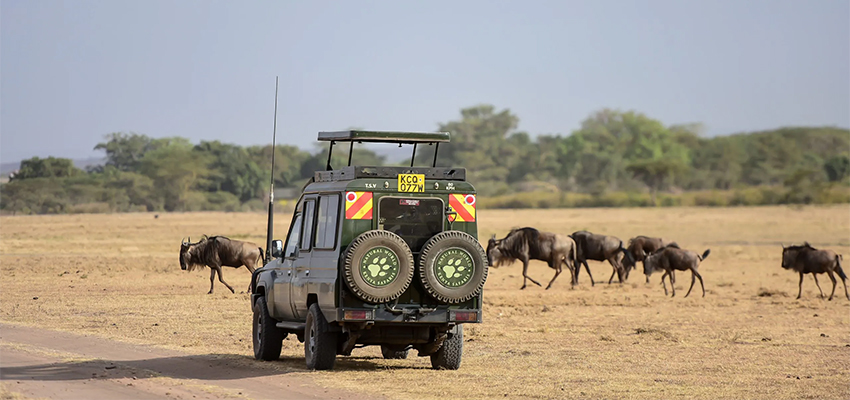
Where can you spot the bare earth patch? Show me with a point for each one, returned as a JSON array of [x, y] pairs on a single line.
[[117, 277]]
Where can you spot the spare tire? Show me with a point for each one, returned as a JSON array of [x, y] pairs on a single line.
[[453, 266], [378, 266]]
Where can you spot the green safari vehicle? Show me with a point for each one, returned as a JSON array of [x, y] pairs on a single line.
[[385, 256]]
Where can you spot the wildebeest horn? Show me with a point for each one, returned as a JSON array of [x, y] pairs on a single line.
[[493, 236]]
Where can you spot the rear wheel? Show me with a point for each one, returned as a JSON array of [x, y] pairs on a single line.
[[319, 342], [268, 338], [394, 352], [453, 266], [450, 353], [378, 266]]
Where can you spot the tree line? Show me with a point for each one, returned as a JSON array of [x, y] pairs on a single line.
[[616, 158]]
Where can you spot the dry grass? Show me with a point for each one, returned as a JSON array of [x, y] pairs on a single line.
[[117, 276]]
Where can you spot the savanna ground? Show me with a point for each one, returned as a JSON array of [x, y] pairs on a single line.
[[117, 276]]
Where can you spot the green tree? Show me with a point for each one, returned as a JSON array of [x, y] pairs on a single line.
[[613, 148], [483, 141], [175, 169], [318, 161], [837, 168], [124, 151], [50, 167], [288, 163], [232, 170]]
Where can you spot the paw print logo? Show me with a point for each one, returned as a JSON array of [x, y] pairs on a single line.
[[453, 269], [378, 267]]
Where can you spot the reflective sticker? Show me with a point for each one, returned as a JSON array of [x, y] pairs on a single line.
[[358, 205], [464, 206]]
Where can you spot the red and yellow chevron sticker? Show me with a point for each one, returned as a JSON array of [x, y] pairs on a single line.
[[358, 205], [464, 206]]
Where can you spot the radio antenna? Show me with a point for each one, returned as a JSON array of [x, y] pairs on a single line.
[[270, 228]]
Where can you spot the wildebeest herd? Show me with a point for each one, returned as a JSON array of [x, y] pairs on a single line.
[[557, 250], [656, 254]]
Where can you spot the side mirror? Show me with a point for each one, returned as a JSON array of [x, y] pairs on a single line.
[[277, 248]]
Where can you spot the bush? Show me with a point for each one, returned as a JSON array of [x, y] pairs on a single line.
[[833, 194], [713, 198], [222, 201], [747, 197], [91, 208]]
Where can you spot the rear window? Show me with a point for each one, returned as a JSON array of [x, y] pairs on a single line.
[[414, 219]]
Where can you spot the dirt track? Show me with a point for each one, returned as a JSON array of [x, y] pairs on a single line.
[[50, 364]]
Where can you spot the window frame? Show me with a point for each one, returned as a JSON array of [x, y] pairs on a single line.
[[334, 228], [309, 204]]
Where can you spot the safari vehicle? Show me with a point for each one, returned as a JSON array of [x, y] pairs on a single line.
[[384, 256]]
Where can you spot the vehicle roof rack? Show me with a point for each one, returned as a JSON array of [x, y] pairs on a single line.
[[414, 138], [385, 137]]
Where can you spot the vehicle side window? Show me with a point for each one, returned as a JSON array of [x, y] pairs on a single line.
[[307, 225], [294, 234], [326, 222]]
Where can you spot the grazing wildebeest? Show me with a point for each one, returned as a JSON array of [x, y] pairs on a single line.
[[218, 251], [526, 244], [591, 246], [642, 246], [806, 259], [669, 259]]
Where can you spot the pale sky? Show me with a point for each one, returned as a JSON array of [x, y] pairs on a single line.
[[73, 71]]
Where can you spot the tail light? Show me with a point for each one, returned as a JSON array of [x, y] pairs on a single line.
[[357, 315], [464, 315]]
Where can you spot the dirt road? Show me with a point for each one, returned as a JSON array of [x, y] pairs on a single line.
[[41, 363]]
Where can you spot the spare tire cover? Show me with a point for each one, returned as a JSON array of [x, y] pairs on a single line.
[[378, 266], [453, 266]]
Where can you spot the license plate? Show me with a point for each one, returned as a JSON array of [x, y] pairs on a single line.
[[411, 183]]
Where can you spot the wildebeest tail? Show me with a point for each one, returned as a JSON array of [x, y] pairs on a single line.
[[627, 253], [838, 267], [262, 256], [705, 254]]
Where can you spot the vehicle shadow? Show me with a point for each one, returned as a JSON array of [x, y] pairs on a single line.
[[211, 367]]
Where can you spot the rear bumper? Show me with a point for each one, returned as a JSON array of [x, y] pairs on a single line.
[[385, 315]]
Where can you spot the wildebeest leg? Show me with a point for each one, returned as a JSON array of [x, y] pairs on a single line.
[[251, 270], [693, 279], [694, 275], [212, 280], [221, 279], [525, 275], [831, 276], [586, 268], [818, 284], [800, 291], [673, 283], [618, 269], [662, 281], [558, 269]]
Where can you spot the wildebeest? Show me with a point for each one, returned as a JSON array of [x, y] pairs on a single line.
[[642, 246], [669, 259], [526, 244], [218, 251], [806, 259], [591, 246]]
